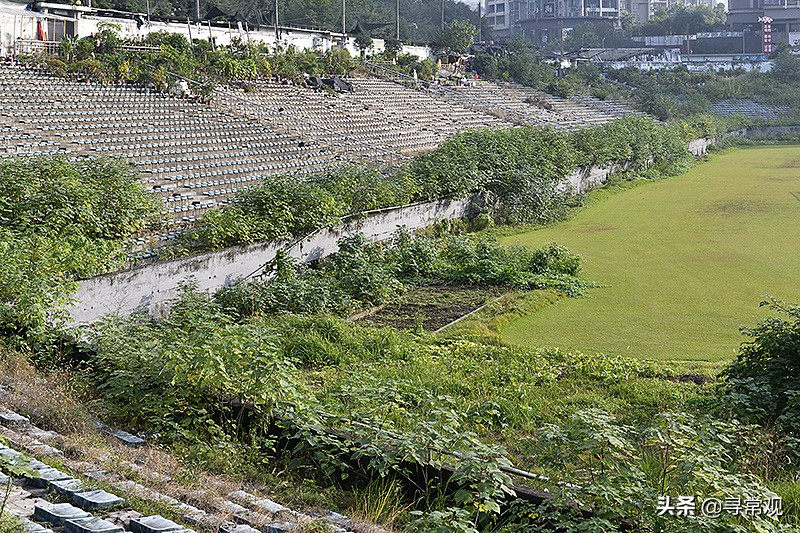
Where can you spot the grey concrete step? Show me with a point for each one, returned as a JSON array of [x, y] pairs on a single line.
[[42, 477], [153, 524], [96, 499], [32, 527], [91, 525], [68, 487], [13, 420], [279, 527], [57, 513]]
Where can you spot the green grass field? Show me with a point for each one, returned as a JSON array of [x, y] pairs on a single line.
[[683, 262]]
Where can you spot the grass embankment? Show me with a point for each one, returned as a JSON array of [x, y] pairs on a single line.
[[683, 262]]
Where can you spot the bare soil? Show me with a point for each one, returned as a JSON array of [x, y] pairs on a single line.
[[431, 308]]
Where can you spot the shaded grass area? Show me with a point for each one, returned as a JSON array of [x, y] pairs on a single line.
[[683, 263]]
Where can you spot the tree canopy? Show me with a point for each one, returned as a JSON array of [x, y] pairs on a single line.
[[680, 19]]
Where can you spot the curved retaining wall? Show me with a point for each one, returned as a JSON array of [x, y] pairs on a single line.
[[151, 287]]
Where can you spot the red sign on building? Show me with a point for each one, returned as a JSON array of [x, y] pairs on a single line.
[[766, 32]]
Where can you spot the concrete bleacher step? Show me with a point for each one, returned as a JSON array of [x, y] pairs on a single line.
[[32, 527], [153, 524], [68, 487], [96, 499], [13, 420], [42, 477], [57, 513], [91, 525]]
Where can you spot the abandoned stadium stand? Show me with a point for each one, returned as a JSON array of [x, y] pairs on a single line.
[[193, 155], [377, 118], [198, 156]]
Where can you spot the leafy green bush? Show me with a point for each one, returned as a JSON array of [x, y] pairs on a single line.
[[287, 207], [59, 221], [515, 173], [763, 384], [632, 143], [620, 471], [359, 276], [192, 376]]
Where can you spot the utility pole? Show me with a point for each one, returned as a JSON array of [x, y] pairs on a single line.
[[480, 38], [397, 33], [277, 27], [561, 45], [344, 20], [442, 15], [197, 9]]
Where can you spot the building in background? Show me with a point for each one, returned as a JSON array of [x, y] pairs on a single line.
[[744, 15], [541, 20]]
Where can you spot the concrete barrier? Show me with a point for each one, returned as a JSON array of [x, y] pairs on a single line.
[[152, 287]]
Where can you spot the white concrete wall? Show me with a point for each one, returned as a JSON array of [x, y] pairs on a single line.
[[151, 287], [584, 179], [301, 39], [15, 26], [700, 146]]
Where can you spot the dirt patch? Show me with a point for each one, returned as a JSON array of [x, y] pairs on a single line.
[[697, 379], [739, 206], [430, 307], [596, 228]]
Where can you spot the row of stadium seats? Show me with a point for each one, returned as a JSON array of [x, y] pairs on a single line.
[[197, 156]]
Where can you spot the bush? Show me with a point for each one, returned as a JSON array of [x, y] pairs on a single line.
[[359, 276], [288, 207], [763, 384], [61, 220]]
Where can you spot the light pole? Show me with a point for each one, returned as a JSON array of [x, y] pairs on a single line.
[[480, 24], [277, 26], [744, 48]]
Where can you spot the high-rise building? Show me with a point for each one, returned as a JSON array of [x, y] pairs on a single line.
[[516, 17], [744, 15]]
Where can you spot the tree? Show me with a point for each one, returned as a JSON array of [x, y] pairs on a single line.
[[456, 37], [363, 42], [785, 65], [681, 19], [392, 47]]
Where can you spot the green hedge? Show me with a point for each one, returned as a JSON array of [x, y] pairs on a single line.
[[515, 175]]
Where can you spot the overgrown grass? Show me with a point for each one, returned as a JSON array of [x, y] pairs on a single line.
[[683, 262], [9, 524]]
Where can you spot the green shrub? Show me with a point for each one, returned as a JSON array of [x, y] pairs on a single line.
[[61, 220], [763, 383], [360, 276]]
